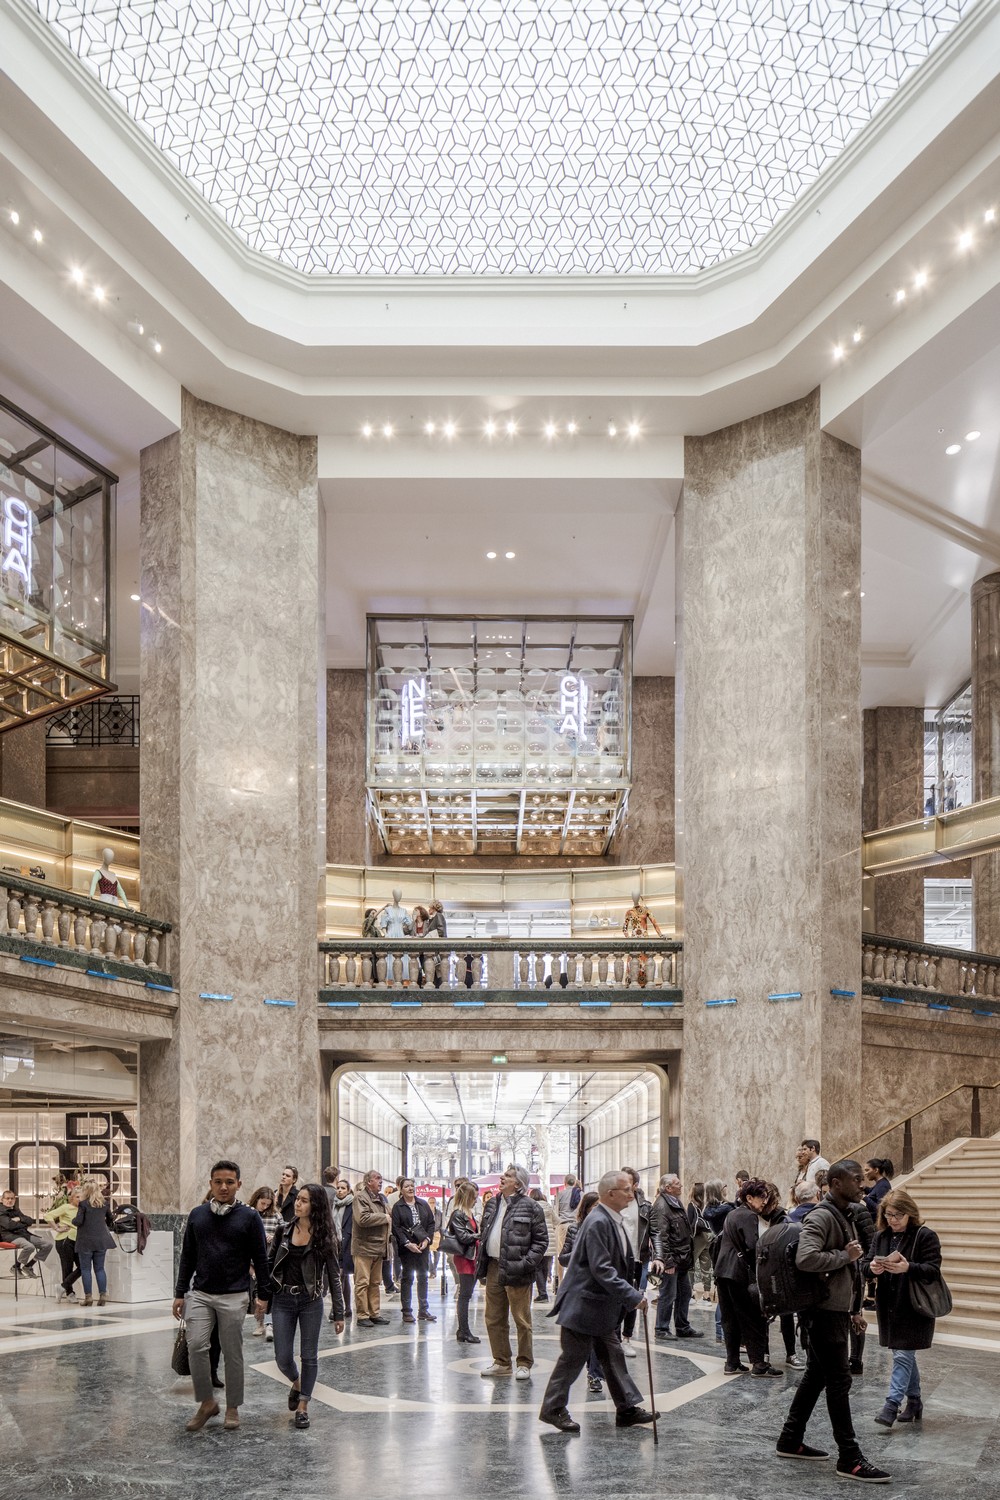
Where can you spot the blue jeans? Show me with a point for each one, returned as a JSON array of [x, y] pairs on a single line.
[[675, 1297], [905, 1375], [288, 1311], [93, 1259]]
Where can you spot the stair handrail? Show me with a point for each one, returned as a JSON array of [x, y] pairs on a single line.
[[906, 1165]]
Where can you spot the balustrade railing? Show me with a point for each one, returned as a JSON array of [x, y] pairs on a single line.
[[510, 964], [933, 970], [63, 921]]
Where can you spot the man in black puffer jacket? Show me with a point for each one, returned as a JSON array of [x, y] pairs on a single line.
[[513, 1241], [673, 1256]]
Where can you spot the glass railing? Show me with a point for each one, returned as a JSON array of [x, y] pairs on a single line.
[[930, 841]]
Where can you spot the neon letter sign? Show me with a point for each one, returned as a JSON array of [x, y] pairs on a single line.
[[574, 700], [414, 697], [17, 540]]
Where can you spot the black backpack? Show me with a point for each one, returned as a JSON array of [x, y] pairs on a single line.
[[781, 1285]]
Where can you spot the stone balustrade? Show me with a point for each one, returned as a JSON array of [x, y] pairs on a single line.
[[32, 913], [897, 964], [501, 964]]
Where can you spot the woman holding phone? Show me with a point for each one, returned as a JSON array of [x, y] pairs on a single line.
[[904, 1250]]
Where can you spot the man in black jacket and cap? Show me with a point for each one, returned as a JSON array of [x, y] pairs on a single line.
[[597, 1287], [513, 1242]]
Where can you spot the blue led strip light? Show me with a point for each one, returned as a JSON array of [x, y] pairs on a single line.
[[720, 1002], [469, 1004], [845, 994], [533, 1004], [891, 1000], [595, 1004], [102, 974], [986, 1013], [661, 1004], [207, 995], [151, 986], [341, 1004], [45, 963], [936, 1005], [288, 1004], [789, 995]]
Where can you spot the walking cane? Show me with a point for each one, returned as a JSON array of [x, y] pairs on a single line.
[[649, 1370]]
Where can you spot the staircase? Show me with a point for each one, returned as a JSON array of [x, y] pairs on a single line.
[[957, 1194]]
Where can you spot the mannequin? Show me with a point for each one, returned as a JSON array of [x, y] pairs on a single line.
[[638, 920], [395, 922], [105, 885]]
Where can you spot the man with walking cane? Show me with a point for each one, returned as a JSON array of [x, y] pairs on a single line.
[[596, 1288]]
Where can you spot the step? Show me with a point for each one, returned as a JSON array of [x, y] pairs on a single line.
[[971, 1327], [971, 1307]]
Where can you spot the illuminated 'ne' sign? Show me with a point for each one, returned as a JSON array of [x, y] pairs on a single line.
[[414, 696], [17, 540], [574, 700]]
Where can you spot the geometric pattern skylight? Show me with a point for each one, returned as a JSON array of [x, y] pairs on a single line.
[[506, 137]]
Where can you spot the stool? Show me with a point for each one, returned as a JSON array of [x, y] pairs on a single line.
[[15, 1252]]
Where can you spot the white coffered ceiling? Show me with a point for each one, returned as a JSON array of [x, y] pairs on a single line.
[[497, 136], [499, 1096]]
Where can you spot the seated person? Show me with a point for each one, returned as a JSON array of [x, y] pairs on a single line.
[[15, 1229]]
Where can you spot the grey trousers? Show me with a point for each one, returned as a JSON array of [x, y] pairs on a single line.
[[202, 1311], [30, 1246], [576, 1349]]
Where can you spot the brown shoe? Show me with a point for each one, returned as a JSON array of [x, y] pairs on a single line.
[[201, 1416], [409, 1318], [232, 1419]]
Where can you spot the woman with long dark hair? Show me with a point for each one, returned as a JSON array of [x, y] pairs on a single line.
[[304, 1251], [879, 1172], [735, 1269]]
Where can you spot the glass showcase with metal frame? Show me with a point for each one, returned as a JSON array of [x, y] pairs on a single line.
[[498, 735], [56, 520]]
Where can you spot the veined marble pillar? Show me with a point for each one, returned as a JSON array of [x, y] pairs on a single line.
[[769, 784], [986, 751], [893, 794], [232, 797]]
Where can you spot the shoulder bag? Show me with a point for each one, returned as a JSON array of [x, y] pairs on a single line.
[[929, 1299]]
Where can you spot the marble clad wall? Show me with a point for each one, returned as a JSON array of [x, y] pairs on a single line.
[[22, 764], [986, 751], [769, 790], [232, 792], [347, 833], [894, 793]]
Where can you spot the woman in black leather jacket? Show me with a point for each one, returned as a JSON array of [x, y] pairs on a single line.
[[462, 1227], [302, 1256], [735, 1270]]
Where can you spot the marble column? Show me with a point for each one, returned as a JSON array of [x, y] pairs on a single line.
[[232, 797], [893, 794], [769, 792], [986, 751]]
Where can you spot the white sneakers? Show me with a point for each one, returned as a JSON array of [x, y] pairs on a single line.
[[493, 1370], [522, 1373], [629, 1351]]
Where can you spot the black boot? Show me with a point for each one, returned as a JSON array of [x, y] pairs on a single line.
[[913, 1410], [887, 1415]]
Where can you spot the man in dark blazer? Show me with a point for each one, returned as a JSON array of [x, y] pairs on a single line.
[[596, 1288]]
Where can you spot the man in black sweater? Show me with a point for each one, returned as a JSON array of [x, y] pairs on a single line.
[[222, 1240]]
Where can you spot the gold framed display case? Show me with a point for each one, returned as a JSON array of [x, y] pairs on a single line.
[[56, 542], [498, 735]]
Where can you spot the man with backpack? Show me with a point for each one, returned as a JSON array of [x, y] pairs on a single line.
[[828, 1248]]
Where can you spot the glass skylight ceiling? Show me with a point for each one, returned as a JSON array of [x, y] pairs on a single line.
[[457, 137]]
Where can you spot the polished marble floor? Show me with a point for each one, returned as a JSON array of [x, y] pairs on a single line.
[[90, 1406]]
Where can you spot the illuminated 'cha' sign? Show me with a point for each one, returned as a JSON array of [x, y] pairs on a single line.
[[17, 540]]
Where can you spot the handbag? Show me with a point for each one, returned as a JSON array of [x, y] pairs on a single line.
[[451, 1246], [180, 1363], [931, 1299]]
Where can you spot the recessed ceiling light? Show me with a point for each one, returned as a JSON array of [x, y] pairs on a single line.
[[135, 326], [449, 429], [76, 275], [901, 294], [920, 279], [98, 294], [134, 598], [970, 437], [511, 428], [612, 430], [508, 555], [838, 351], [633, 429], [953, 448], [366, 430], [862, 593], [490, 427], [550, 429], [15, 217], [965, 240], [989, 217], [157, 346], [430, 429], [37, 236], [858, 334], [491, 555], [571, 428], [387, 429]]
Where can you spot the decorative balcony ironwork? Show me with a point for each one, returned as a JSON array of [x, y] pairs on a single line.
[[113, 720]]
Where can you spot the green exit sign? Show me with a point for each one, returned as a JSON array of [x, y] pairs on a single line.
[[499, 1057]]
